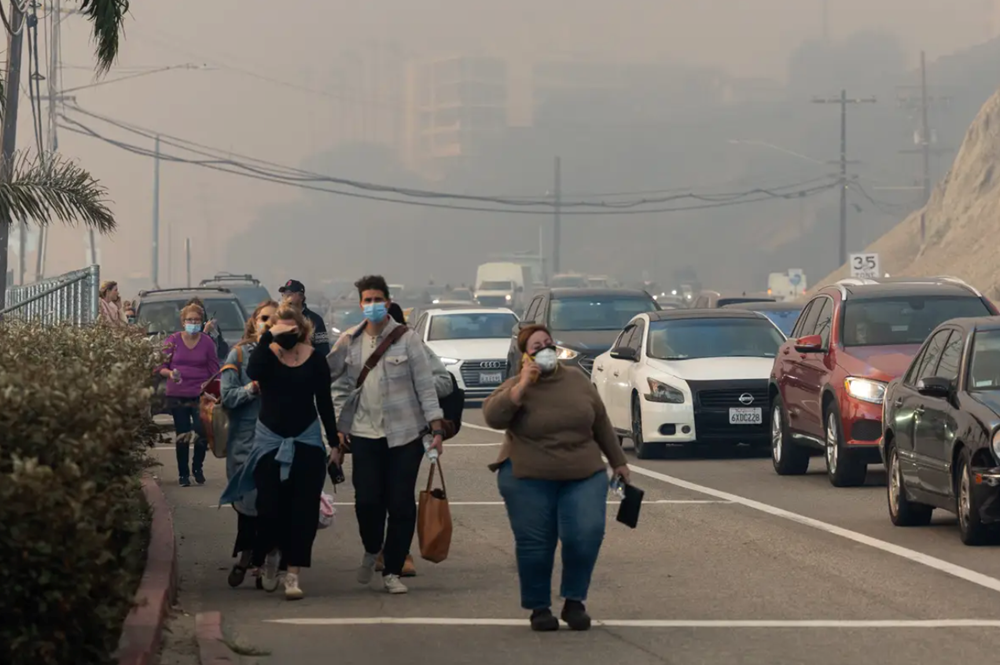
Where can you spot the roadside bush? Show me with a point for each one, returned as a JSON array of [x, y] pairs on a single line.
[[74, 428]]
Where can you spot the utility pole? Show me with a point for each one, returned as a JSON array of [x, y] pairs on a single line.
[[843, 101], [925, 133], [825, 8], [12, 83], [557, 216], [54, 84], [187, 258], [155, 272]]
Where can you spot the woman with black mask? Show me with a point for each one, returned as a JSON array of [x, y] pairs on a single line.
[[288, 464]]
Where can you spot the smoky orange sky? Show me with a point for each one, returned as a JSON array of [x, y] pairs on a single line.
[[294, 112]]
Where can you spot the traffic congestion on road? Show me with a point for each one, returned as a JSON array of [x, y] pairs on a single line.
[[769, 530]]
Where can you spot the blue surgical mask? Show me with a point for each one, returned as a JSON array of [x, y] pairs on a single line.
[[376, 311], [192, 328]]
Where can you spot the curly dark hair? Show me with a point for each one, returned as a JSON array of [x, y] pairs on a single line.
[[372, 283]]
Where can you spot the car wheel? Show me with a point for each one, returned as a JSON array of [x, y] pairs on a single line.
[[902, 511], [967, 505], [787, 458], [642, 450], [843, 467]]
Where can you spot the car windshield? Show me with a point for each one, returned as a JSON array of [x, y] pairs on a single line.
[[596, 312], [903, 320], [686, 339], [249, 295], [984, 371], [496, 286], [163, 317], [783, 318], [471, 325]]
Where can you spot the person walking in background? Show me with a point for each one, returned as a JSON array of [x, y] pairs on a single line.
[[288, 463], [383, 414], [443, 386], [110, 303], [241, 398], [293, 294], [551, 475], [191, 362], [128, 309]]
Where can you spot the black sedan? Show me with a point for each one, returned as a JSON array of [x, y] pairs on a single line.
[[941, 430]]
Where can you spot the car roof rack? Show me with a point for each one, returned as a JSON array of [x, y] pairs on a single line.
[[220, 276], [217, 289]]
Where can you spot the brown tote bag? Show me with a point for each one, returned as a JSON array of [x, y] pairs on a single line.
[[434, 520]]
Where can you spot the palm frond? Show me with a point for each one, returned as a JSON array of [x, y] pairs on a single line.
[[55, 189], [108, 19]]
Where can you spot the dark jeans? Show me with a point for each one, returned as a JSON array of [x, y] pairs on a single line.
[[544, 512], [186, 419], [384, 481], [288, 512]]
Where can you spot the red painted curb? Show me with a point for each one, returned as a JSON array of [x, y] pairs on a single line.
[[143, 628], [212, 649]]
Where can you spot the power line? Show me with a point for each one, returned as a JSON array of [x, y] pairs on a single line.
[[301, 176], [236, 168]]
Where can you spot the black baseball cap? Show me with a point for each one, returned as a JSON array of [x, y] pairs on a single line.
[[293, 286]]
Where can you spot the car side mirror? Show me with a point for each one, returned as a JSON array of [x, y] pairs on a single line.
[[935, 386], [809, 344], [624, 353]]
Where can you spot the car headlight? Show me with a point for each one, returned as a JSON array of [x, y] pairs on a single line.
[[865, 390], [663, 393], [996, 443], [449, 361], [566, 354]]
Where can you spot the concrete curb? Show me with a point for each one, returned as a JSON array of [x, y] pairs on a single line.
[[212, 648], [143, 629]]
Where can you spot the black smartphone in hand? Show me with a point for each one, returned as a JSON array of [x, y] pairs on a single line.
[[628, 511]]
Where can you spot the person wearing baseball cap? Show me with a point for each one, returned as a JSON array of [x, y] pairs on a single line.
[[293, 294]]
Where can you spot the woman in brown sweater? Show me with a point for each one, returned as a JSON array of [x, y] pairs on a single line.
[[551, 475]]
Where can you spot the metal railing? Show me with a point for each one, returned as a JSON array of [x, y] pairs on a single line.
[[69, 298]]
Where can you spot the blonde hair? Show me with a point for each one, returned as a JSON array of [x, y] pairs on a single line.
[[192, 309], [106, 287], [287, 313]]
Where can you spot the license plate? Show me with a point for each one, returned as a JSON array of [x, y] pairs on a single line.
[[746, 416], [496, 377]]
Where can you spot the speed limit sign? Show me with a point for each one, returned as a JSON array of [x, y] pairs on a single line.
[[866, 265]]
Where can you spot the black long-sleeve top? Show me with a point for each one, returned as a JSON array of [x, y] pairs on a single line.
[[291, 397]]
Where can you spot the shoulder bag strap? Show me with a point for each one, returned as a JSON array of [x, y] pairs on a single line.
[[379, 352]]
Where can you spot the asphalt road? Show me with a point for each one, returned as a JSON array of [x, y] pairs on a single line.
[[730, 563]]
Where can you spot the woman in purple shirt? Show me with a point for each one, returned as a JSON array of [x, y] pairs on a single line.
[[192, 360]]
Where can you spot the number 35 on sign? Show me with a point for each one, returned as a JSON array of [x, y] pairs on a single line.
[[866, 266]]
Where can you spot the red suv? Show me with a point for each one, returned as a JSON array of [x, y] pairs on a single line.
[[829, 377]]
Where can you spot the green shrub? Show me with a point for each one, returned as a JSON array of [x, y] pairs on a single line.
[[74, 429]]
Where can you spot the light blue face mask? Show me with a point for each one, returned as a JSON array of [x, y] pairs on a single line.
[[192, 328], [376, 311]]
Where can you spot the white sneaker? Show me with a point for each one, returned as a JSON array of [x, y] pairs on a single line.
[[269, 573], [393, 585], [292, 590], [367, 568]]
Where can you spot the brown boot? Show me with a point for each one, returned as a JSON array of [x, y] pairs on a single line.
[[409, 570]]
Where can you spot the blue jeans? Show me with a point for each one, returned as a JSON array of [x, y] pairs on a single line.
[[545, 512], [186, 419]]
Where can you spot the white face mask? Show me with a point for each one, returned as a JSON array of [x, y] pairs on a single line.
[[546, 359]]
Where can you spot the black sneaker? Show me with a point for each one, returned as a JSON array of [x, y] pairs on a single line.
[[199, 477], [185, 481], [543, 621], [575, 615]]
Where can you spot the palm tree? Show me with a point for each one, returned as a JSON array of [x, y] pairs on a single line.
[[47, 188]]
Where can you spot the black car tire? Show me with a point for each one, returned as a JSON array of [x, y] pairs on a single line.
[[844, 467], [787, 458], [642, 450], [902, 511], [970, 527]]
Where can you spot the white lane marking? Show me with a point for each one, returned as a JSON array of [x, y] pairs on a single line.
[[653, 623], [483, 428], [940, 565]]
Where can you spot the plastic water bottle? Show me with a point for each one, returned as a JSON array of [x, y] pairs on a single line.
[[616, 487], [432, 454]]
